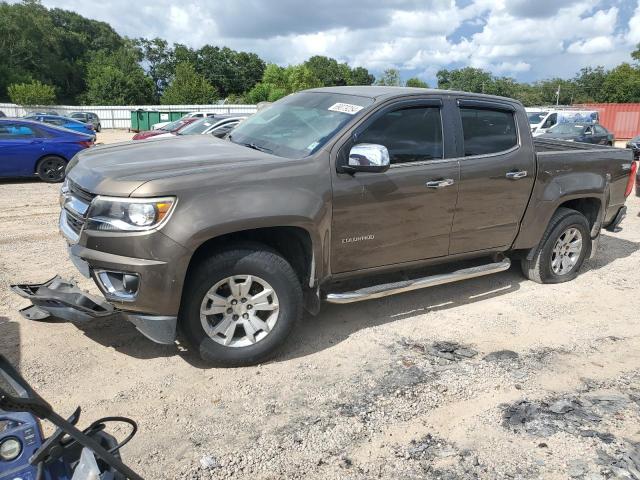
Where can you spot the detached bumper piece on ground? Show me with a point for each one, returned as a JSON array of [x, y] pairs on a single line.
[[62, 299]]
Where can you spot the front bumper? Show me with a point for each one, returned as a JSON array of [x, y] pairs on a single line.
[[62, 299], [158, 262]]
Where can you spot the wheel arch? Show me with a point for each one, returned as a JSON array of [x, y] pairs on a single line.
[[293, 243]]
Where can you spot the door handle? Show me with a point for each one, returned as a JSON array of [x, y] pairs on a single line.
[[446, 182], [516, 175]]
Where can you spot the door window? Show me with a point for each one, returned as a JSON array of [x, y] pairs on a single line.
[[14, 131], [410, 134], [487, 131], [600, 130]]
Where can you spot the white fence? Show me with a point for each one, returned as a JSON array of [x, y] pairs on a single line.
[[120, 117]]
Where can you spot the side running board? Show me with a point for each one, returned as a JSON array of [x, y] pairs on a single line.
[[384, 290]]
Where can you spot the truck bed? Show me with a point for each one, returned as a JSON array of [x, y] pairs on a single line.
[[547, 145]]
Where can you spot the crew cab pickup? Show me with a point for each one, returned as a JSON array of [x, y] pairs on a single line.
[[334, 194]]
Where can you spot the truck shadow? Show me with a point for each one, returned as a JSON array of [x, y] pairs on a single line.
[[611, 248], [336, 323], [10, 340]]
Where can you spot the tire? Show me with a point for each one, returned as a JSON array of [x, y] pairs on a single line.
[[562, 224], [51, 169], [98, 128], [265, 267]]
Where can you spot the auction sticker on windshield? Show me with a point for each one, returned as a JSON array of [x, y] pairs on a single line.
[[345, 108]]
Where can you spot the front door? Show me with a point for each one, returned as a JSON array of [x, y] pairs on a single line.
[[497, 172], [405, 213], [20, 147]]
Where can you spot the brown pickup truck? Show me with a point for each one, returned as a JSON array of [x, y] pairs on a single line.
[[336, 194]]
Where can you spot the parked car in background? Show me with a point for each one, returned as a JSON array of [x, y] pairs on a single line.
[[196, 115], [33, 148], [580, 132], [2, 114], [168, 129], [43, 112], [541, 120], [634, 144], [87, 117], [208, 126], [65, 122]]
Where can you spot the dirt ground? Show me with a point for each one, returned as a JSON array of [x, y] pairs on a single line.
[[496, 377]]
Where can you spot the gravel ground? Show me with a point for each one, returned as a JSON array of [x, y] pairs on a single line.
[[496, 377]]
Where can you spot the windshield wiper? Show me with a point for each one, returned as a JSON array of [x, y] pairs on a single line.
[[256, 147]]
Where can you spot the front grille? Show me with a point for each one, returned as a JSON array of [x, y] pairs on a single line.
[[80, 193], [75, 223]]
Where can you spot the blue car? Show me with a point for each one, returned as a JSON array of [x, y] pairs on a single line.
[[31, 148], [64, 122]]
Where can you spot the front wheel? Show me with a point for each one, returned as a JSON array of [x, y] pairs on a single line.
[[51, 169], [564, 247], [240, 306]]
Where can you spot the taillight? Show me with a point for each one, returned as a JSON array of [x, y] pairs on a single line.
[[632, 177], [86, 143]]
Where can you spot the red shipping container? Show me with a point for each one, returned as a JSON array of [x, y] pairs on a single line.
[[622, 119]]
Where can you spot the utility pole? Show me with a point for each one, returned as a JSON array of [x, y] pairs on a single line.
[[558, 96]]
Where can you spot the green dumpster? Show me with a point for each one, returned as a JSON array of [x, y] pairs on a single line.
[[142, 120]]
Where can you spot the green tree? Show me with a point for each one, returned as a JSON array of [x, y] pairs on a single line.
[[390, 77], [328, 71], [32, 94], [231, 72], [466, 79], [159, 59], [361, 76], [416, 82], [589, 84], [188, 87], [116, 78], [52, 46], [622, 84]]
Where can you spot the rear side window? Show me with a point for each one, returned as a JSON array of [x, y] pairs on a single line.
[[410, 134], [14, 131], [487, 131]]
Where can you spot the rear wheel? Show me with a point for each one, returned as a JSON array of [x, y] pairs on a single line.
[[51, 169], [565, 245], [98, 128], [240, 305]]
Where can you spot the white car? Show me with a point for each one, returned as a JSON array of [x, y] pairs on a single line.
[[218, 127], [158, 125]]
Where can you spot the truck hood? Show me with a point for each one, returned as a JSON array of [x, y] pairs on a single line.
[[120, 168]]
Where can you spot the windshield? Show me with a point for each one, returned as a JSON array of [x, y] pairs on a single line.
[[567, 128], [78, 116], [536, 117], [169, 127], [299, 124], [197, 127]]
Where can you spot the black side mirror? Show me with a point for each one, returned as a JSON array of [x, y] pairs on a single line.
[[16, 395]]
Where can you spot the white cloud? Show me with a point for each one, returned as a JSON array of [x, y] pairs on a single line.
[[525, 38], [593, 45]]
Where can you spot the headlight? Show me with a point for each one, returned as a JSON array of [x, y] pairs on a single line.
[[10, 449], [128, 214]]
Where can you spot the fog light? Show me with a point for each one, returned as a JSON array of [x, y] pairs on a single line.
[[10, 449], [121, 285]]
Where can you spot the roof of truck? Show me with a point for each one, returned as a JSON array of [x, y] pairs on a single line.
[[376, 91]]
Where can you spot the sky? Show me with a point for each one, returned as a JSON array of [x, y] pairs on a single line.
[[525, 39]]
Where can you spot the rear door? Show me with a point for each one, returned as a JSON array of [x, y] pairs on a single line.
[[497, 171], [405, 213], [601, 136]]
